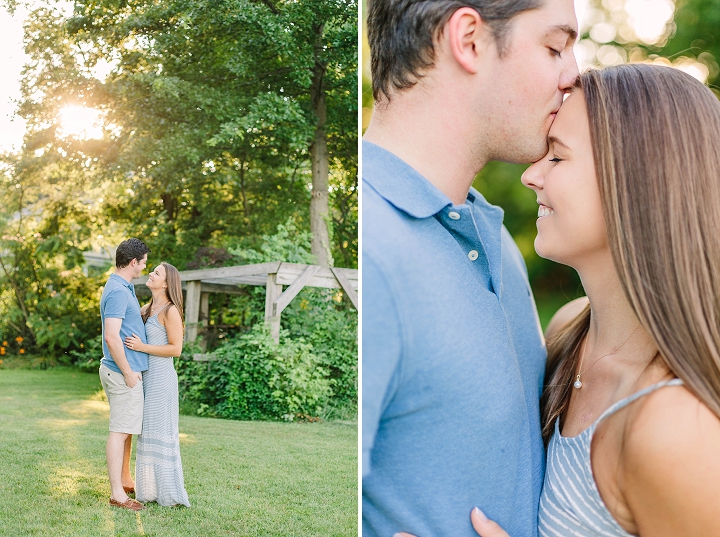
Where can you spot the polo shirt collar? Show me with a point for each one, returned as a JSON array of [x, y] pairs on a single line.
[[123, 281], [400, 184]]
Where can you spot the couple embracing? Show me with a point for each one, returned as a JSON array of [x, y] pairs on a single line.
[[472, 423], [140, 382]]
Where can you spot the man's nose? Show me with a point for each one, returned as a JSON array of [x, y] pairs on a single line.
[[570, 72]]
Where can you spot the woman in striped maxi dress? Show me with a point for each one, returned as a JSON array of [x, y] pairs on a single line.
[[158, 472], [629, 196]]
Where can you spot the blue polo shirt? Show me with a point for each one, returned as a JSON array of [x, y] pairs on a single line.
[[118, 301], [453, 361]]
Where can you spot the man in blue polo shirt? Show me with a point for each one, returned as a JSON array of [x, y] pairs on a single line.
[[452, 352], [121, 367]]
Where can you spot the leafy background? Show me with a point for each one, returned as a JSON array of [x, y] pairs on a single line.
[[207, 114]]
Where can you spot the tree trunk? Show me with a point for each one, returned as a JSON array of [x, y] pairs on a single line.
[[319, 216], [242, 188]]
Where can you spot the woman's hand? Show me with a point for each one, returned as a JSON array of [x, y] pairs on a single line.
[[483, 526], [134, 343]]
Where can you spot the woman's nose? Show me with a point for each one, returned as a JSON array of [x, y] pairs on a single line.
[[533, 176]]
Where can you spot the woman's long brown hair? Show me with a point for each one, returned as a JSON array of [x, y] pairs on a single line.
[[173, 292], [655, 133]]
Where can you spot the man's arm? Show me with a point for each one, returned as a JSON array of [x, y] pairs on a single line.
[[117, 351], [381, 352]]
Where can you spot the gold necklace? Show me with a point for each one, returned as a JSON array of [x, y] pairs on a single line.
[[578, 383]]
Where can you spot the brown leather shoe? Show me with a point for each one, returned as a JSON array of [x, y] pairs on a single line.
[[129, 490], [131, 504]]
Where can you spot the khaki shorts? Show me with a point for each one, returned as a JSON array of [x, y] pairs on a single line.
[[126, 404]]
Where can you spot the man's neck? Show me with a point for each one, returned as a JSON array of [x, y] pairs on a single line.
[[432, 136], [124, 274]]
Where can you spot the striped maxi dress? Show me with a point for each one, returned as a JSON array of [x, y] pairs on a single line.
[[158, 469]]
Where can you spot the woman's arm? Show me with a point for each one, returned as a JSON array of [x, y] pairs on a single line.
[[671, 467], [174, 328]]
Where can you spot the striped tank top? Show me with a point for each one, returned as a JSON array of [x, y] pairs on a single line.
[[570, 504]]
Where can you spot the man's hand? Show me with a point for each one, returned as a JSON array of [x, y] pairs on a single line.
[[132, 378], [483, 526]]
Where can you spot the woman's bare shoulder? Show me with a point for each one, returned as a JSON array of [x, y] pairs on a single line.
[[565, 315], [671, 464], [171, 312]]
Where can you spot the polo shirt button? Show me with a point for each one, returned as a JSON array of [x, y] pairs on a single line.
[[472, 255], [453, 215]]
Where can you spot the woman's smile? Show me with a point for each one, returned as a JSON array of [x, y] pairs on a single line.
[[544, 211]]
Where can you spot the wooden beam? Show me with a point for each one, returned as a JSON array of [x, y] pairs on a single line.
[[239, 280], [220, 288], [346, 286], [289, 272], [204, 357], [192, 310], [257, 275], [292, 291], [230, 272], [272, 293]]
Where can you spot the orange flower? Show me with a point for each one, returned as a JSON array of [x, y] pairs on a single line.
[[2, 350], [5, 344], [0, 362], [22, 351], [19, 339]]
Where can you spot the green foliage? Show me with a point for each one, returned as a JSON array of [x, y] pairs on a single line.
[[329, 324], [46, 300], [255, 378], [88, 358], [289, 244], [208, 122]]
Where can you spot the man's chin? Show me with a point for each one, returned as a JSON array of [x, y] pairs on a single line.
[[526, 154]]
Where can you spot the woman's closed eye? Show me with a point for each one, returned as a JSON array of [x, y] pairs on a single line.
[[556, 159]]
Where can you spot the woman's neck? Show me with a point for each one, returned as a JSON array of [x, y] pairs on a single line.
[[159, 299], [612, 319]]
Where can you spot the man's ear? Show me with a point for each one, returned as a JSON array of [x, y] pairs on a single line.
[[467, 37]]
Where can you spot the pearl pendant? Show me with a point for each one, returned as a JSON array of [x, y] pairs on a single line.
[[577, 383]]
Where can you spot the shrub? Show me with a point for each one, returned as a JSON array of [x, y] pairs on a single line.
[[255, 378]]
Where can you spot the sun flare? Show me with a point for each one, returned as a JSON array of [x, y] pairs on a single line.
[[80, 122]]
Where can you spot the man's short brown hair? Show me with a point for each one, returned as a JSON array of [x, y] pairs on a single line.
[[128, 250], [401, 35]]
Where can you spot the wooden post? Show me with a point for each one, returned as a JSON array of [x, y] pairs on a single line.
[[204, 316], [272, 293], [192, 309]]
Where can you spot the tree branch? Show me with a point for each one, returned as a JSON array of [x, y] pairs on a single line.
[[269, 4]]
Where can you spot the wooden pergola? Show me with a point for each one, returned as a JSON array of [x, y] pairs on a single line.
[[198, 284]]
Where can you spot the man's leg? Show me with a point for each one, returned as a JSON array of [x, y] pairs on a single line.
[[115, 453], [126, 478]]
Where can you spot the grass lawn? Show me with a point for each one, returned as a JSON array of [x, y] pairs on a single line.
[[243, 478]]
